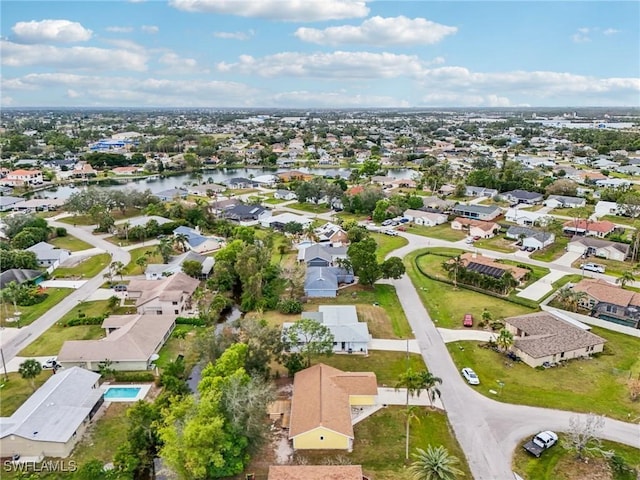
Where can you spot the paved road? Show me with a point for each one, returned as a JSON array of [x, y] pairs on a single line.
[[29, 333], [488, 431]]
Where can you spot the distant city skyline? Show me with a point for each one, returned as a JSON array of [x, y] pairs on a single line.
[[319, 54]]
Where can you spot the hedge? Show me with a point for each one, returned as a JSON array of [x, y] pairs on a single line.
[[133, 376], [195, 321], [517, 300], [74, 322]]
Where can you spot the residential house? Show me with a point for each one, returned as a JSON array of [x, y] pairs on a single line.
[[477, 212], [171, 296], [529, 237], [486, 266], [285, 195], [383, 181], [349, 335], [278, 222], [609, 302], [246, 214], [8, 203], [143, 221], [53, 419], [629, 169], [266, 180], [237, 183], [613, 183], [83, 170], [516, 197], [172, 194], [315, 472], [321, 405], [542, 337], [436, 203], [471, 191], [48, 255], [20, 276], [206, 190], [127, 170], [607, 208], [321, 255], [19, 178], [563, 201], [426, 219], [580, 226], [196, 241], [325, 281], [589, 246], [525, 218], [331, 234], [220, 205], [447, 189], [405, 183], [131, 343], [476, 228], [158, 271]]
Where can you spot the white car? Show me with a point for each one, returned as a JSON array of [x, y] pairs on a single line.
[[51, 363], [393, 233], [592, 267], [470, 376]]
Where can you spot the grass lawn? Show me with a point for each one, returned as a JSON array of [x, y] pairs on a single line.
[[347, 217], [90, 309], [384, 434], [70, 243], [181, 346], [447, 306], [50, 342], [309, 207], [613, 267], [86, 219], [553, 251], [274, 201], [442, 232], [87, 268], [620, 220], [558, 464], [132, 269], [570, 212], [16, 390], [33, 312], [387, 244], [497, 243], [387, 366], [601, 380]]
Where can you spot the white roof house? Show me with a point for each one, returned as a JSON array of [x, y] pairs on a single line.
[[52, 420], [284, 218], [47, 254]]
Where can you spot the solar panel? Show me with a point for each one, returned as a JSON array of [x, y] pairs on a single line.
[[485, 269]]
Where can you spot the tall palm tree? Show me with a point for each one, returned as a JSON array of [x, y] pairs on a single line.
[[165, 249], [453, 267], [182, 240], [626, 278], [505, 339], [142, 262], [29, 370], [125, 228], [434, 463]]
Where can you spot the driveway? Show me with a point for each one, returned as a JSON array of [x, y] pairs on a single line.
[[567, 259], [394, 345], [450, 335], [391, 396], [539, 289]]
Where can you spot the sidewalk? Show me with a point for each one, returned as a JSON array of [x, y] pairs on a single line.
[[394, 345]]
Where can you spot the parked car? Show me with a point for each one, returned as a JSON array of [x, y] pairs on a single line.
[[476, 238], [386, 223], [402, 228], [390, 232], [404, 220], [592, 267], [541, 442], [470, 376], [121, 287], [469, 240], [468, 320], [51, 363]]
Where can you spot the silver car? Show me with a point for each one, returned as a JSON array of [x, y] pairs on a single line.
[[470, 376]]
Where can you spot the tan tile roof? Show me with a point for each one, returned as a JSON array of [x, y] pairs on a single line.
[[547, 335], [517, 272], [482, 225], [582, 224], [603, 291], [321, 398], [315, 472], [169, 289]]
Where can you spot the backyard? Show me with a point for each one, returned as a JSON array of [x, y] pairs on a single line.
[[601, 379], [70, 242], [179, 345], [441, 232], [87, 268], [32, 312]]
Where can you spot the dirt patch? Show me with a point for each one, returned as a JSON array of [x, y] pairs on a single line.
[[377, 320], [593, 469]]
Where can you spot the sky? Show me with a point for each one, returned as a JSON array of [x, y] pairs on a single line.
[[319, 53]]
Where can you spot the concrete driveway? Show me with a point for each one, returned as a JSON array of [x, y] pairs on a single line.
[[539, 289], [450, 335]]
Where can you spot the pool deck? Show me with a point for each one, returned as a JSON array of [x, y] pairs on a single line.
[[144, 389]]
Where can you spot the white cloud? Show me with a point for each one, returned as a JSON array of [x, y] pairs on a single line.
[[582, 35], [287, 10], [379, 31], [75, 58], [449, 99], [180, 65], [73, 93], [234, 35], [50, 31], [610, 31], [116, 29], [151, 29], [306, 99], [327, 65]]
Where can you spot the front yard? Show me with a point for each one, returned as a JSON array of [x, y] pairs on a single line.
[[613, 267], [309, 207], [498, 243], [601, 380], [441, 232], [387, 244], [553, 251], [16, 390], [87, 268], [50, 342], [70, 242], [33, 312], [132, 268]]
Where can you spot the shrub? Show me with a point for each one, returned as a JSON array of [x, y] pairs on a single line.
[[133, 376], [84, 320], [290, 306], [196, 321], [61, 232]]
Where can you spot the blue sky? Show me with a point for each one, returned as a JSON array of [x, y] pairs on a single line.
[[319, 53]]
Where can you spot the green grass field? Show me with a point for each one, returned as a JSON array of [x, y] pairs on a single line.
[[497, 243], [86, 219], [601, 380], [447, 306], [16, 390], [442, 232], [50, 342], [553, 251], [87, 268], [70, 243], [309, 207], [387, 244], [31, 313], [180, 346], [132, 268]]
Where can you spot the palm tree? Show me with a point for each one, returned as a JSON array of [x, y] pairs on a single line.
[[182, 240], [564, 297], [576, 299], [142, 262], [165, 249], [434, 464], [486, 316], [505, 339], [12, 292], [125, 228], [626, 278], [29, 370], [453, 267], [118, 269]]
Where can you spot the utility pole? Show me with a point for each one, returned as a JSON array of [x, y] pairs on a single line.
[[4, 365]]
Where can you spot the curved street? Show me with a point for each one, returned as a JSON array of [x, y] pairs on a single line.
[[488, 431]]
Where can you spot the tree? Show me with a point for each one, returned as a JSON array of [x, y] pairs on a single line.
[[118, 269], [434, 463], [165, 249], [29, 370], [562, 187], [12, 292], [310, 338], [362, 256], [486, 316], [182, 240], [392, 268], [505, 339], [626, 278], [192, 268], [142, 262], [630, 202], [582, 437], [453, 268]]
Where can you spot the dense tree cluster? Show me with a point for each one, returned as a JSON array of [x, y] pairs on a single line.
[[361, 257]]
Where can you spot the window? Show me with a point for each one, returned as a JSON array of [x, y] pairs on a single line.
[[321, 437], [174, 303], [176, 312], [562, 355]]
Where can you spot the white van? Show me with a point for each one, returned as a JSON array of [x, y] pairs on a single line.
[[592, 267]]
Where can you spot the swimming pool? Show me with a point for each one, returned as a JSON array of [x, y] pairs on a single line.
[[131, 393]]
